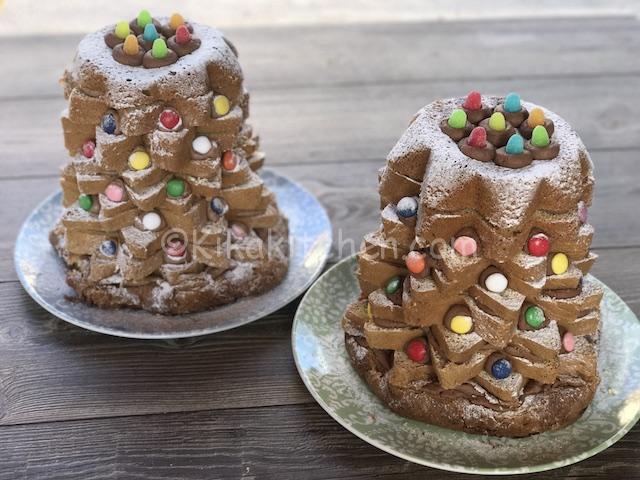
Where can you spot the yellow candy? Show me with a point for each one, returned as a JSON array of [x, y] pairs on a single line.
[[559, 263], [369, 314], [221, 105], [131, 46], [175, 21], [461, 324], [497, 122], [536, 117], [122, 29], [139, 160]]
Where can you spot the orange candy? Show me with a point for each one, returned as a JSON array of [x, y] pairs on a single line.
[[416, 262], [130, 46], [175, 21], [536, 117], [229, 161]]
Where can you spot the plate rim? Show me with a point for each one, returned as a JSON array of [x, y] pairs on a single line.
[[172, 336], [428, 463]]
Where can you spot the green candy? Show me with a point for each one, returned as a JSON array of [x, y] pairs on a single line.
[[122, 29], [458, 119], [144, 17], [540, 137], [534, 316], [85, 202], [159, 48], [393, 286], [175, 188]]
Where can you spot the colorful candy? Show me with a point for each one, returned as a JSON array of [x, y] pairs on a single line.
[[512, 103], [417, 351], [221, 105], [175, 21], [416, 262], [239, 230], [540, 137], [582, 212], [407, 207], [473, 101], [201, 145], [175, 187], [457, 119], [568, 342], [515, 145], [461, 324], [501, 369], [109, 123], [131, 46], [219, 206], [122, 29], [85, 202], [536, 117], [183, 36], [139, 160], [393, 285], [538, 245], [477, 138], [175, 247], [159, 48], [229, 161], [496, 282], [465, 246], [114, 192], [534, 317], [108, 248], [144, 17], [150, 33], [497, 122], [88, 148], [169, 119], [559, 263], [151, 221]]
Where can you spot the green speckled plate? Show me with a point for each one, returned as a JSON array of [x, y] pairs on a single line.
[[318, 347]]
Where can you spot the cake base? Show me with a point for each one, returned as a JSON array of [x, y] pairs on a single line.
[[549, 409], [196, 293]]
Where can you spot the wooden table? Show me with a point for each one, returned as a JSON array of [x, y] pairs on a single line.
[[329, 103]]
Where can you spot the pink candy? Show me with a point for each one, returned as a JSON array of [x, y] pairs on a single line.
[[465, 246], [114, 192], [568, 341], [582, 212], [175, 248]]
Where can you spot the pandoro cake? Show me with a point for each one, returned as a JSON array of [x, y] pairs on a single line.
[[163, 208], [475, 312]]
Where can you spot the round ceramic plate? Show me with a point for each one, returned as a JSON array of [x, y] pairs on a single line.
[[42, 273], [323, 364]]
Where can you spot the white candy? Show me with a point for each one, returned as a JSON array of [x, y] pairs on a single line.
[[201, 144], [151, 221], [496, 282]]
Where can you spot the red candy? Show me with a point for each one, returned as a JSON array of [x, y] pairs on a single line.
[[473, 101], [416, 263], [478, 138], [416, 350], [538, 245], [88, 148], [229, 161], [182, 35], [169, 119]]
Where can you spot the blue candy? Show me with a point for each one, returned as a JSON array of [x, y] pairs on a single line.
[[108, 248], [515, 145], [407, 207], [150, 33], [109, 123], [501, 369], [219, 206], [512, 103]]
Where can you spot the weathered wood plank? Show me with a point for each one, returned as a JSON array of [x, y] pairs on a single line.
[[294, 442], [349, 193], [379, 53], [52, 371]]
